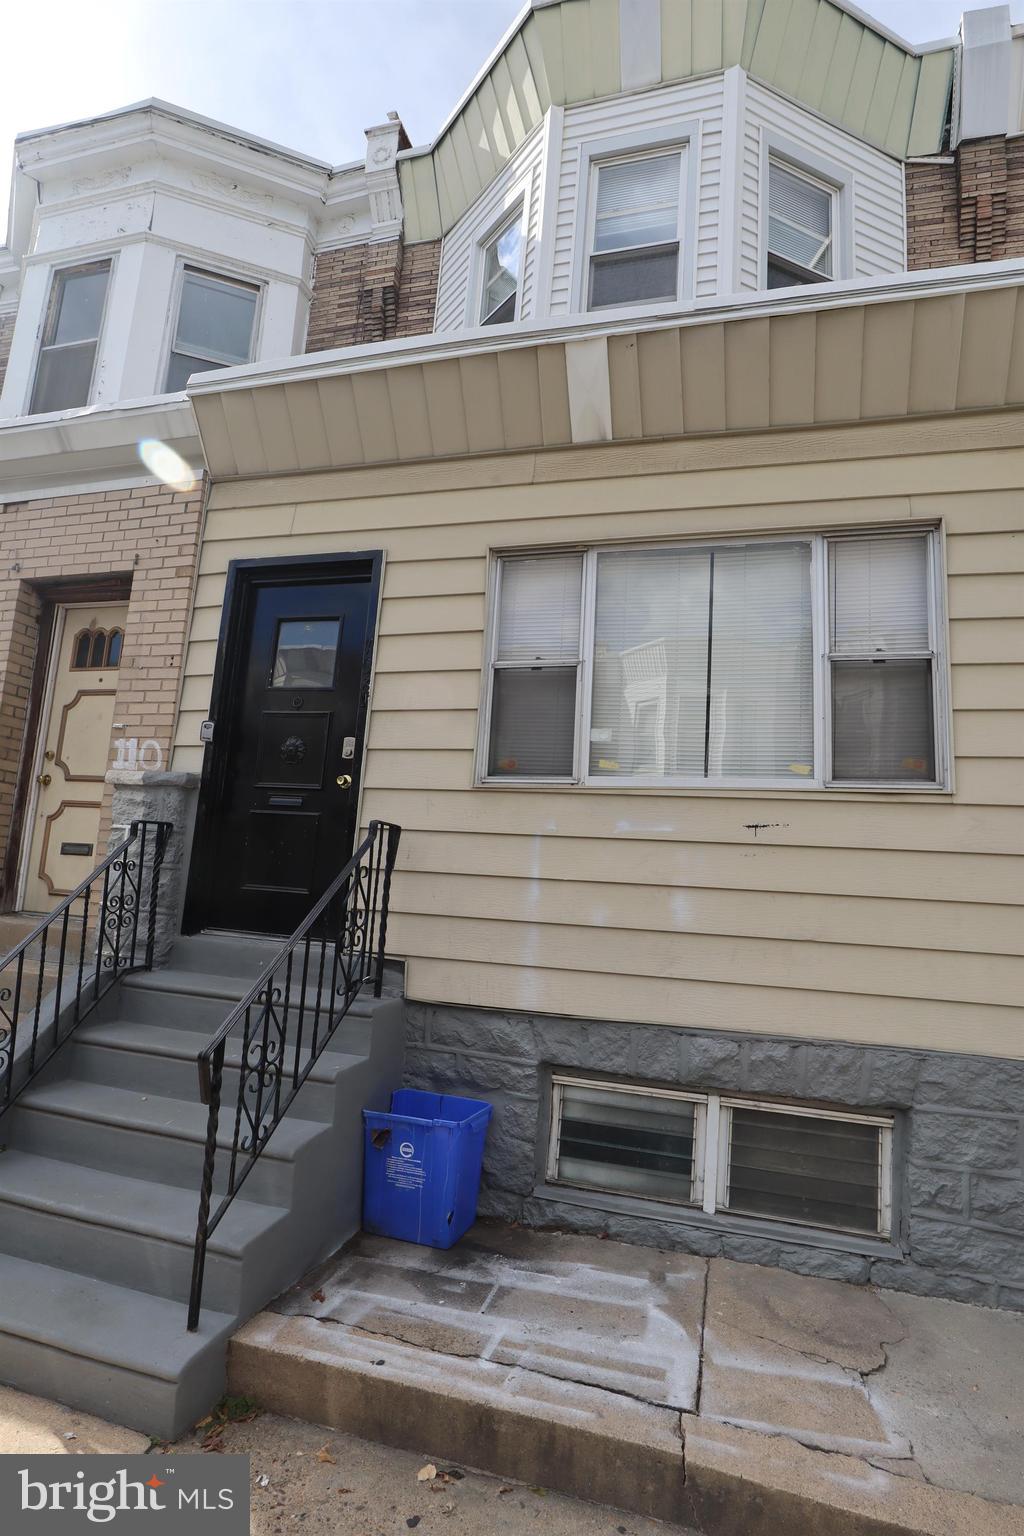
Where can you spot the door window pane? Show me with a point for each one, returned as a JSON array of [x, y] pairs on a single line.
[[71, 331], [626, 1142], [305, 653], [800, 234], [502, 259], [882, 720], [805, 1168], [533, 722]]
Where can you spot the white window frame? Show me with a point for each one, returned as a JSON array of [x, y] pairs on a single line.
[[824, 173], [515, 210], [712, 1142], [684, 137], [184, 265], [820, 779], [58, 270]]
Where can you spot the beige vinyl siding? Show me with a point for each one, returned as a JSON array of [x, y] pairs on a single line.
[[604, 121], [881, 918]]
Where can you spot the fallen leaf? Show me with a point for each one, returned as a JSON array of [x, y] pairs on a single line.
[[506, 1489], [323, 1454], [455, 1473], [426, 1474], [318, 1295], [343, 1490], [202, 1423]]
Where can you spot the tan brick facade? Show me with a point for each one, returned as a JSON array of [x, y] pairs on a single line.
[[147, 539], [969, 207], [6, 337], [372, 292]]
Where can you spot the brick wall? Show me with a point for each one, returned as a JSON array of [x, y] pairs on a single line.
[[372, 292], [969, 207], [148, 534], [6, 337]]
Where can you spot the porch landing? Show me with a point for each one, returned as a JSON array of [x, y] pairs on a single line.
[[718, 1395]]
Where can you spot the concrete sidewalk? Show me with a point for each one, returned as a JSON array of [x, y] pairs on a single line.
[[726, 1397]]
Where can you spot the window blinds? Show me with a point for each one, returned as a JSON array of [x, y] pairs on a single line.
[[540, 609], [879, 595], [533, 701], [637, 202], [703, 663], [799, 220]]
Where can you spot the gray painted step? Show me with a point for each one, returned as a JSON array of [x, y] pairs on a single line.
[[127, 1231], [124, 1355], [153, 1058], [156, 1137], [99, 1190]]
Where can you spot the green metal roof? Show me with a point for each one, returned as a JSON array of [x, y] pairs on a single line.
[[814, 51]]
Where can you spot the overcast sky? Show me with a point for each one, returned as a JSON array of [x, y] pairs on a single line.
[[310, 74]]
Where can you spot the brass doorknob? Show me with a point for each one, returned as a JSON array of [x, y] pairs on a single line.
[[44, 779], [344, 781]]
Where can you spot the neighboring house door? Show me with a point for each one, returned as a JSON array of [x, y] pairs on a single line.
[[69, 776], [280, 795]]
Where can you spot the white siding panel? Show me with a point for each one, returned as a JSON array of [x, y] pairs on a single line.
[[597, 121], [879, 242], [522, 176]]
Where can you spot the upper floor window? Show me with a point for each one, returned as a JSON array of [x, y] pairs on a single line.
[[502, 268], [801, 227], [214, 329], [720, 664], [634, 238], [71, 331]]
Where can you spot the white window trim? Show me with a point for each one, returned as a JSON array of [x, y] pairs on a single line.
[[684, 136], [71, 265], [712, 1128], [821, 778], [185, 264], [516, 207], [823, 172]]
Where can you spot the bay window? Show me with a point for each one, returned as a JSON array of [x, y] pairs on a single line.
[[775, 662], [214, 328], [71, 332]]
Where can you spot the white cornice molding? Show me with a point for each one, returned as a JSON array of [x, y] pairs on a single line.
[[90, 449]]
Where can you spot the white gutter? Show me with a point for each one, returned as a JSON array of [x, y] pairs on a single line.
[[933, 283]]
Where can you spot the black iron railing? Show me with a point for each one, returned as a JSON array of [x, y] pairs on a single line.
[[57, 974], [282, 1024]]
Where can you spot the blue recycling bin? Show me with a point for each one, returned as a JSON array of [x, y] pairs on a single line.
[[421, 1174]]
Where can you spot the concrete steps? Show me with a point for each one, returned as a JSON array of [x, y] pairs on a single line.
[[99, 1190]]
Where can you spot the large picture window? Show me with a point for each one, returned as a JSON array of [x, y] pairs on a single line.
[[802, 661]]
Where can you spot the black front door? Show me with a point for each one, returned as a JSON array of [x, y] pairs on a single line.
[[278, 815]]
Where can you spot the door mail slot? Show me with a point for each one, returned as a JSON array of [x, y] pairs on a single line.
[[292, 801], [79, 850]]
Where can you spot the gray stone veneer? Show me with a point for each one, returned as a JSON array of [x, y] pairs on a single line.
[[153, 795], [958, 1144]]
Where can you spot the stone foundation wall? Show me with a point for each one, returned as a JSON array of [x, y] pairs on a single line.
[[958, 1160]]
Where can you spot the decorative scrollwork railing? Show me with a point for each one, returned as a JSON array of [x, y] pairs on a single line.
[[280, 1027], [57, 974]]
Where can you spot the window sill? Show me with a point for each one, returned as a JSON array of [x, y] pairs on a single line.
[[787, 1233], [763, 789]]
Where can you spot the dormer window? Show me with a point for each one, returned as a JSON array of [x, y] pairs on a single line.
[[801, 227], [71, 331], [215, 325], [634, 246], [502, 269]]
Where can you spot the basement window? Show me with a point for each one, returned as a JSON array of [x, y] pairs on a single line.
[[746, 1157], [71, 332], [214, 328]]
